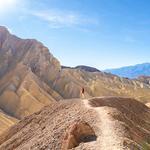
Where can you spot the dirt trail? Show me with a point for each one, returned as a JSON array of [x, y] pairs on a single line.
[[109, 139]]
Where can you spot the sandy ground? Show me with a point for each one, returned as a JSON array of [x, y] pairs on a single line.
[[109, 139]]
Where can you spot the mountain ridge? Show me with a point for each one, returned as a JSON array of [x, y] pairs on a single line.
[[32, 78], [133, 71]]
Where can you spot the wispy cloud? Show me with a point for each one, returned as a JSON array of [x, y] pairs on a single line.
[[54, 17], [7, 6], [59, 19]]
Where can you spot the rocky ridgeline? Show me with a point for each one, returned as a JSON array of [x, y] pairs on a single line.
[[108, 123]]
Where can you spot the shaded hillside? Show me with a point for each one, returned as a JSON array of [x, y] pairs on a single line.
[[132, 71], [108, 123], [82, 67], [87, 68]]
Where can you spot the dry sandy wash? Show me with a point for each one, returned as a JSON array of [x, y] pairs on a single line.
[[106, 123]]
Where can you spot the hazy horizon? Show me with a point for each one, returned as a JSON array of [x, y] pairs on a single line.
[[103, 34]]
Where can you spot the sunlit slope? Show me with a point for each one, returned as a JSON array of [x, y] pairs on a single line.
[[6, 121], [23, 93]]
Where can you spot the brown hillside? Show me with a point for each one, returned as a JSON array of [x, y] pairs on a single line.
[[108, 123], [6, 121]]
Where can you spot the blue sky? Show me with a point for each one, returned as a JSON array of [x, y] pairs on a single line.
[[99, 33]]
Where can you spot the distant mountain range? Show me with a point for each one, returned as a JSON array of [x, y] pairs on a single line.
[[131, 71]]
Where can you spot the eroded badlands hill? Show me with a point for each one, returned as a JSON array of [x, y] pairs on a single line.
[[31, 78], [25, 67], [109, 123]]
